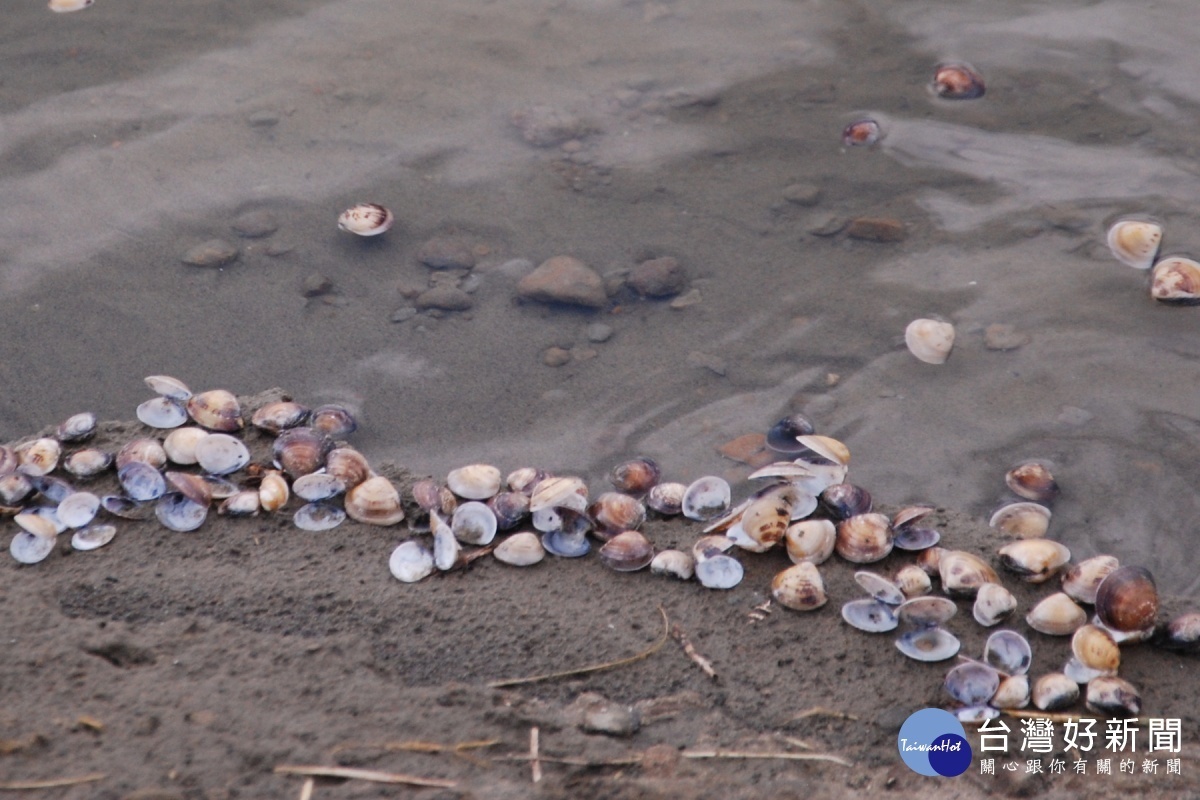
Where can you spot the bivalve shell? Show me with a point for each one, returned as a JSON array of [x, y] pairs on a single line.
[[78, 510], [1012, 693], [147, 451], [316, 486], [366, 219], [1176, 281], [1009, 652], [318, 517], [1081, 580], [141, 481], [962, 573], [1113, 695], [87, 463], [628, 551], [180, 444], [1096, 650], [162, 412], [1056, 615], [1035, 560], [474, 523], [864, 538], [666, 498], [375, 502], [613, 512], [1127, 600], [524, 479], [674, 563], [510, 508], [217, 410], [522, 549], [273, 491], [842, 500], [928, 644], [782, 436], [76, 428], [38, 457], [1054, 691], [635, 476], [913, 581], [957, 80], [929, 340], [30, 548], [715, 568], [870, 616], [333, 420], [175, 511], [765, 521], [993, 604], [706, 499], [14, 487], [278, 416], [924, 612], [971, 683], [410, 562], [1135, 242], [350, 466], [1033, 481], [93, 537], [799, 587], [221, 454], [879, 587], [825, 448], [1024, 520], [299, 451], [570, 493], [167, 386], [862, 133], [1183, 633], [242, 504]]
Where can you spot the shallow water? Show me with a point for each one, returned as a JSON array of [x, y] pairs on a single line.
[[132, 132]]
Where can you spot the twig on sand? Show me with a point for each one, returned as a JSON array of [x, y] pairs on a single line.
[[51, 783], [654, 648], [370, 775], [418, 746], [306, 791], [822, 711], [628, 761], [738, 754], [702, 662], [534, 762]]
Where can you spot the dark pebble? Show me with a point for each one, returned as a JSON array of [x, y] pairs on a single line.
[[446, 298], [658, 277]]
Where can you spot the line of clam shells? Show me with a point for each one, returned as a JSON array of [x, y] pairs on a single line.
[[803, 505], [1174, 279]]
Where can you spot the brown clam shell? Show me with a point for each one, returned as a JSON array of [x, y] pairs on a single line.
[[217, 410], [352, 468], [628, 551], [957, 80], [636, 476], [1176, 280], [962, 573], [278, 416], [864, 538], [300, 451], [613, 512], [375, 501], [1032, 480], [1127, 600], [799, 587]]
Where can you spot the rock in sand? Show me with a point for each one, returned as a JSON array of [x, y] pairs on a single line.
[[563, 279]]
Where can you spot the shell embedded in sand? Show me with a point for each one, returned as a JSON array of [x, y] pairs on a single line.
[[1135, 242], [929, 340], [366, 219], [63, 6]]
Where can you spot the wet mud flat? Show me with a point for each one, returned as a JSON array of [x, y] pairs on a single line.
[[191, 665]]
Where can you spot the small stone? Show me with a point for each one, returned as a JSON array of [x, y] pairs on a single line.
[[612, 720], [706, 361], [802, 194], [563, 279], [408, 291], [658, 277], [446, 298], [583, 353], [262, 119], [442, 252], [213, 253], [689, 298], [999, 336], [403, 314], [598, 332], [877, 229], [316, 284], [832, 379], [750, 449], [556, 357], [543, 126], [255, 224], [826, 225], [515, 268]]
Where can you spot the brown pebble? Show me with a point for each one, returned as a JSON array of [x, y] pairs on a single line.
[[750, 448], [556, 357], [658, 277], [275, 249], [442, 252], [1000, 336], [316, 284], [447, 298], [213, 253], [563, 279], [255, 224], [877, 229]]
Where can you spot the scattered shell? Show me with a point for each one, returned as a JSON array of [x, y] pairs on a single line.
[[147, 451], [242, 504], [317, 517], [299, 451], [366, 219], [14, 487], [1183, 633], [349, 466], [170, 387], [1023, 520], [1035, 560], [870, 615], [126, 508], [666, 498], [799, 587], [87, 463], [566, 543], [38, 457], [929, 340], [861, 133], [53, 489], [410, 562], [715, 569], [913, 581], [613, 512], [1081, 580], [273, 491], [217, 410], [962, 573], [1113, 695], [1054, 691], [474, 481], [525, 479], [77, 427], [930, 560], [180, 444], [447, 552], [912, 538], [374, 501], [30, 548], [1127, 600], [474, 523], [1095, 649], [706, 499], [636, 476], [1013, 692], [162, 412], [928, 644], [40, 520], [8, 460], [879, 587], [971, 683], [1135, 242], [764, 521], [78, 510], [675, 563], [1056, 615], [1176, 280], [810, 540], [926, 611], [842, 500], [957, 80], [221, 454], [66, 6], [333, 420], [824, 448], [279, 416], [628, 551], [864, 538], [1009, 652], [510, 508], [782, 436], [93, 536], [1032, 480], [520, 550], [993, 604], [316, 486], [179, 513], [141, 481]]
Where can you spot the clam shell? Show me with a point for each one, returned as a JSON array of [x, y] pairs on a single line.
[[375, 501], [333, 420], [910, 515], [1054, 691], [1115, 696], [825, 447], [141, 481], [971, 683], [474, 523], [674, 563], [957, 80], [666, 498], [799, 587], [67, 6], [177, 512], [520, 550], [410, 562], [765, 521], [167, 386], [912, 538], [273, 491], [87, 463], [366, 219], [447, 552], [628, 551], [842, 500], [1127, 600], [782, 436], [1033, 481], [30, 548], [51, 488], [76, 428], [636, 476], [1035, 560], [715, 569], [1081, 580], [862, 133], [879, 587], [929, 340], [38, 457], [147, 451], [913, 581], [1056, 615], [78, 510], [706, 499], [510, 508], [221, 454], [126, 508], [1009, 652], [1023, 520], [8, 460], [568, 492], [316, 486], [1176, 280], [870, 615], [864, 538], [928, 644], [1183, 633], [993, 604], [1012, 693], [180, 444], [241, 504], [162, 412], [1095, 649], [278, 416], [14, 487], [525, 479], [1135, 242], [566, 544], [930, 560], [299, 451], [93, 537], [613, 512], [926, 611], [217, 410], [349, 466], [40, 520], [318, 517], [962, 573]]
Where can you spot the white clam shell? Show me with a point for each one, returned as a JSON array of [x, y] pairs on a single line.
[[522, 549], [167, 386], [1025, 520], [1135, 242], [567, 492], [66, 6], [1054, 691], [38, 457], [30, 548], [366, 219], [474, 481], [93, 536], [318, 517], [928, 644], [175, 511], [273, 492], [706, 498], [1176, 280], [375, 501], [221, 454], [674, 563], [993, 604], [410, 562], [929, 340], [799, 587], [1056, 615], [78, 510], [162, 412], [474, 523], [180, 444]]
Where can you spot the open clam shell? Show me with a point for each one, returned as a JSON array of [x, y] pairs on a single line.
[[928, 644], [93, 537], [870, 615], [782, 436], [162, 412], [971, 683], [1009, 652], [30, 548], [715, 568], [474, 522], [167, 386], [77, 510], [1032, 480], [926, 611], [179, 513], [706, 498], [879, 587]]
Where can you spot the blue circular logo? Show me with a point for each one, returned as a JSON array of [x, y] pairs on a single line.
[[933, 742]]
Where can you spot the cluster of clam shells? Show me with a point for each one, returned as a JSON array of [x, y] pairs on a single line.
[[1174, 279]]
